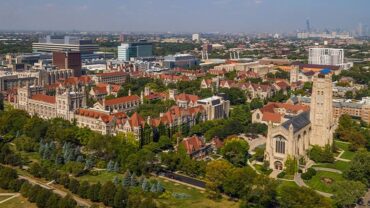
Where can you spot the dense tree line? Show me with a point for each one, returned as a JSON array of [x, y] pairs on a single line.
[[116, 193], [34, 193]]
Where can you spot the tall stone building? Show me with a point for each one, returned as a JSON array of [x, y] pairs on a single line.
[[321, 112], [298, 132]]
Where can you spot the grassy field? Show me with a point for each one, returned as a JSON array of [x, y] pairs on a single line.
[[17, 202], [344, 146], [194, 197], [317, 182], [339, 165]]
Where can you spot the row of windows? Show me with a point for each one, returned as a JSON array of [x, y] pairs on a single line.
[[280, 146]]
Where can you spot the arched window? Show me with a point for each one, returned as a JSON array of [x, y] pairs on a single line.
[[258, 116], [280, 145]]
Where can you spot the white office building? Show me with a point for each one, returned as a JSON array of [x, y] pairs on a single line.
[[123, 52], [326, 56]]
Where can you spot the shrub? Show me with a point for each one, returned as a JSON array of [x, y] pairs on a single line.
[[281, 175], [309, 174]]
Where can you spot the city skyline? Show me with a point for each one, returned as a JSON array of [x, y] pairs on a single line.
[[183, 16]]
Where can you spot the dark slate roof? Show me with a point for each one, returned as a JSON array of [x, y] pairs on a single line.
[[300, 121]]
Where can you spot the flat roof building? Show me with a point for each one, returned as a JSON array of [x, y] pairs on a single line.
[[67, 43]]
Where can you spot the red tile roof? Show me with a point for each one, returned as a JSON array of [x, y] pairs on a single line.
[[44, 98], [136, 120], [273, 117], [121, 100], [187, 97], [192, 144], [109, 74]]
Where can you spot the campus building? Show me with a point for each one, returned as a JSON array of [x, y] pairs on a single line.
[[294, 136]]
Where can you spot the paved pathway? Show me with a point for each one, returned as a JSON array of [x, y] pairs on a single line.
[[328, 170], [254, 142], [299, 181], [12, 195], [274, 173]]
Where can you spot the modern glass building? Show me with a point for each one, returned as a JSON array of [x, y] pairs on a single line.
[[140, 49]]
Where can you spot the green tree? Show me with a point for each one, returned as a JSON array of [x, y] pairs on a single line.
[[359, 169], [291, 165], [107, 192], [294, 197], [120, 198], [83, 189], [216, 173], [235, 151], [94, 191], [239, 182], [347, 192]]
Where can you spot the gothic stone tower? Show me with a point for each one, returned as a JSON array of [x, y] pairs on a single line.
[[321, 114]]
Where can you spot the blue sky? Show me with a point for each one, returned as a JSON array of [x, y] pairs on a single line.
[[182, 15]]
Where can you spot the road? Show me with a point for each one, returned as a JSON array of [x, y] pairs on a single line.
[[183, 179], [80, 201]]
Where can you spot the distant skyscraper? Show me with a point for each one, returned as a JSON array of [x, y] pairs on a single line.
[[122, 38], [308, 26], [360, 29]]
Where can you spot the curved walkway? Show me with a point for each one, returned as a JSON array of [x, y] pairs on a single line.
[[328, 170], [299, 181], [11, 196]]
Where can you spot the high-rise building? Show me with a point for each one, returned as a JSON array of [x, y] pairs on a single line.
[[326, 56], [308, 25], [67, 43], [140, 49], [321, 110], [68, 60]]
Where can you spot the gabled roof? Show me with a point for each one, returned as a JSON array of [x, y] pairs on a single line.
[[192, 144], [136, 120], [187, 97], [298, 122], [122, 100], [273, 117]]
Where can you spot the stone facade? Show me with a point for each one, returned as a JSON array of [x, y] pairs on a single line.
[[294, 136]]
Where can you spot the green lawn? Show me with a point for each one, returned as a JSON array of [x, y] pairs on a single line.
[[339, 165], [348, 155], [260, 169], [317, 182], [17, 202], [194, 197], [32, 156], [344, 146], [341, 145], [101, 176]]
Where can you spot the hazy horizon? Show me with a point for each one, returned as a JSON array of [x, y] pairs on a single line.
[[182, 16]]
